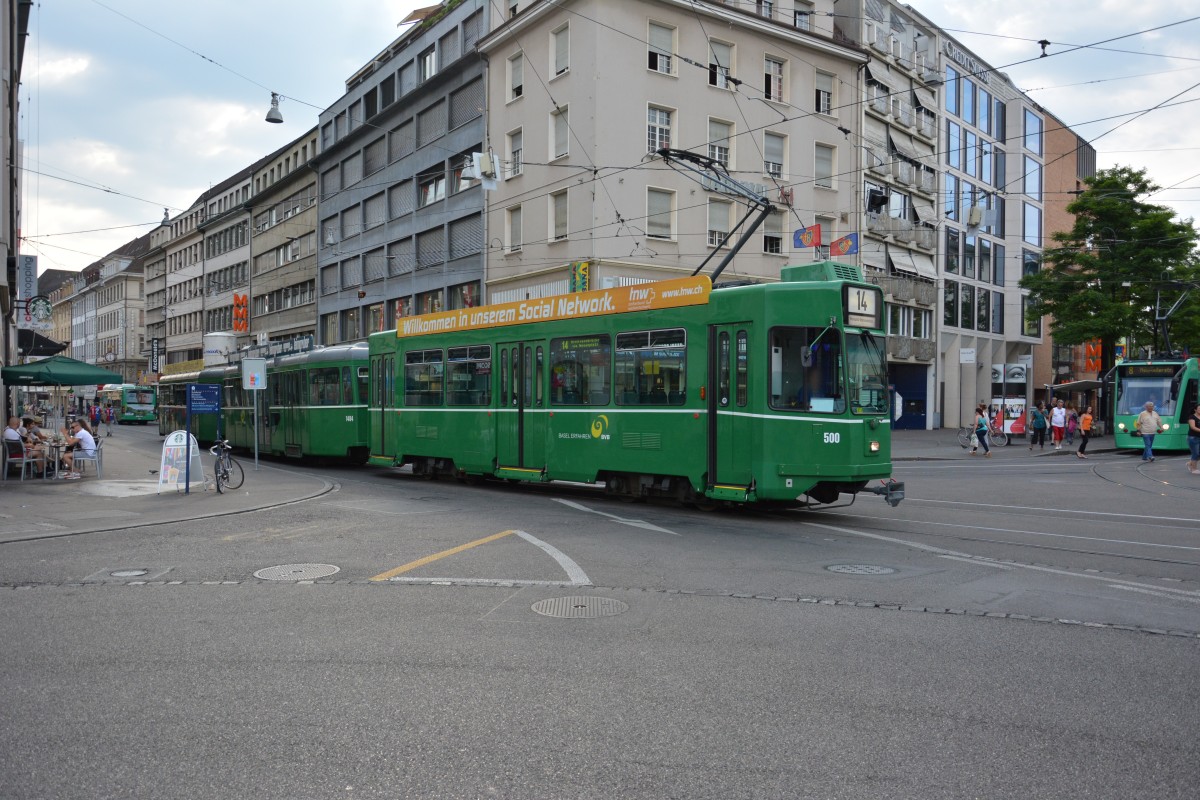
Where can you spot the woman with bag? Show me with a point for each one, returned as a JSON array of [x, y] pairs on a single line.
[[1037, 427], [1194, 441], [981, 431]]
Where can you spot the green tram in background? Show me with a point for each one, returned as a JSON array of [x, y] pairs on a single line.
[[131, 404], [1173, 385], [765, 393], [314, 405]]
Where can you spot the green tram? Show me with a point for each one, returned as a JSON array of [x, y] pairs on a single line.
[[172, 404], [767, 393], [1173, 385], [131, 404], [316, 405]]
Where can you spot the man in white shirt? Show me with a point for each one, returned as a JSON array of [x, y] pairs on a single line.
[[79, 439], [1058, 423]]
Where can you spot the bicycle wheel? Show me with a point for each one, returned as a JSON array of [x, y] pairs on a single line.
[[997, 438], [964, 437], [234, 477], [220, 475]]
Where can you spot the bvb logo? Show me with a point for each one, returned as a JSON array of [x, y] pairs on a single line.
[[599, 426]]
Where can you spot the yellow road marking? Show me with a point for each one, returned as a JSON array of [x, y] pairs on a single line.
[[420, 562]]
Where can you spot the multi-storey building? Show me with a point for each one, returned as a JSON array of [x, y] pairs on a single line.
[[225, 260], [582, 94], [401, 227], [107, 311], [284, 243]]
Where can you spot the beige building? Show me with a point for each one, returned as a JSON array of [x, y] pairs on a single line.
[[120, 311], [582, 93], [284, 243]]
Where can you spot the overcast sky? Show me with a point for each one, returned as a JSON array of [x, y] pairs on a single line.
[[108, 101]]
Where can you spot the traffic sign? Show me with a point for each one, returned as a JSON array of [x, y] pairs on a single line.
[[204, 398]]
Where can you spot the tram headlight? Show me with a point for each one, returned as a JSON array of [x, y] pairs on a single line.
[[874, 446], [1120, 426], [1166, 427]]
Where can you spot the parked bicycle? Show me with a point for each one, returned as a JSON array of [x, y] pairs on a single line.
[[227, 473]]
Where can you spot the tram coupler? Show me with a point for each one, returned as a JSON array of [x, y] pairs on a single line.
[[892, 491]]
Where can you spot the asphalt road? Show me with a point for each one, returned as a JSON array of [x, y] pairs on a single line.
[[1018, 627]]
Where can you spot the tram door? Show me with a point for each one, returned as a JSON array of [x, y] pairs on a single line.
[[521, 407], [382, 391], [730, 424]]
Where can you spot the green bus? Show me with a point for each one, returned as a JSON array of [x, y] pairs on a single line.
[[1173, 385], [763, 393], [130, 403]]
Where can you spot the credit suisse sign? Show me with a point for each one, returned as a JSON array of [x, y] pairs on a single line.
[[978, 71]]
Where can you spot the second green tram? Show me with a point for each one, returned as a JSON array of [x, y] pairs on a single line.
[[760, 393], [1173, 385]]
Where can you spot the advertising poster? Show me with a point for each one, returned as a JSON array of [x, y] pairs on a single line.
[[172, 471]]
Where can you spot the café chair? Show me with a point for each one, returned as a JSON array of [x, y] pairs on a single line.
[[14, 456], [79, 459]]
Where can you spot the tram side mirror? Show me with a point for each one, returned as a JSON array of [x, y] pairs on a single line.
[[806, 357]]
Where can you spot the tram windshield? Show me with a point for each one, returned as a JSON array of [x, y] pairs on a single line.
[[1134, 393], [866, 372], [806, 370]]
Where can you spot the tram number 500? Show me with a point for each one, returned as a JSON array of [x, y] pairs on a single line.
[[832, 438]]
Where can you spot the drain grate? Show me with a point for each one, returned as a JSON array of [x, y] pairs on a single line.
[[579, 607], [860, 569], [296, 572]]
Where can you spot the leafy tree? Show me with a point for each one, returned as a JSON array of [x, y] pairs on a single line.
[[1102, 278]]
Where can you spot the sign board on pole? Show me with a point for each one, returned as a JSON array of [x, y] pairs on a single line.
[[175, 466], [254, 373], [154, 353], [27, 284], [204, 398]]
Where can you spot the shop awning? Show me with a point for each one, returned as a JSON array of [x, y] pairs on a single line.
[[32, 343], [1075, 386]]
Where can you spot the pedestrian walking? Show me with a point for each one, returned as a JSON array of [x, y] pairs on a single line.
[[981, 431], [1085, 431], [975, 433], [1194, 441], [1072, 424], [1037, 427], [1148, 424], [108, 420], [1058, 424]]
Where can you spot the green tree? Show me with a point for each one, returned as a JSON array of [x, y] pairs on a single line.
[[1102, 278]]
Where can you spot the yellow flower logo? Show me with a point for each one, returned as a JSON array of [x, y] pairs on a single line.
[[599, 426]]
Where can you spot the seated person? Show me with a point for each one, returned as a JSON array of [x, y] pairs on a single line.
[[14, 439], [79, 438], [35, 441]]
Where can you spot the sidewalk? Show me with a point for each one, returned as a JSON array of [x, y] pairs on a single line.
[[128, 495], [943, 444]]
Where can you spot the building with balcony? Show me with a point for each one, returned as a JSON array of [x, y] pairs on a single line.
[[400, 222], [582, 94]]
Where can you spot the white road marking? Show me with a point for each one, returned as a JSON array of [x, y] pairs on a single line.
[[484, 581], [1155, 593], [636, 523], [1176, 593], [978, 561], [1052, 510], [575, 574], [573, 570]]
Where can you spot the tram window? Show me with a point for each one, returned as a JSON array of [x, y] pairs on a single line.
[[541, 375], [579, 371], [866, 374], [364, 382], [469, 376], [723, 369], [423, 378], [324, 386], [741, 369], [528, 373], [504, 377], [806, 370], [650, 367]]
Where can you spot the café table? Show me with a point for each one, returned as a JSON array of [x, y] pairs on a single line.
[[54, 451]]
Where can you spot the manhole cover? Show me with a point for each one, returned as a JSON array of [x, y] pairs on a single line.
[[860, 569], [296, 572], [129, 573], [579, 607]]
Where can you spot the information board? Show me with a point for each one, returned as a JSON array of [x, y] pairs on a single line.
[[173, 470], [204, 398], [254, 373]]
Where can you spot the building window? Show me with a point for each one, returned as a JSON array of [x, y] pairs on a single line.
[[659, 207], [1031, 231], [719, 134], [514, 153], [428, 63], [824, 98], [560, 49], [1033, 132], [718, 222], [1033, 178], [765, 8], [562, 132], [513, 229], [720, 64], [516, 76], [774, 146], [658, 129], [662, 45], [773, 234], [432, 189], [558, 216], [823, 174], [1029, 327], [803, 17], [773, 79]]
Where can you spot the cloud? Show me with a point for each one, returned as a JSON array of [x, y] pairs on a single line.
[[56, 71]]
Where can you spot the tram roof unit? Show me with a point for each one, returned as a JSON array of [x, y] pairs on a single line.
[[353, 351]]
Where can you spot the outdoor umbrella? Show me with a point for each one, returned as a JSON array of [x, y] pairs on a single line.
[[58, 371]]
